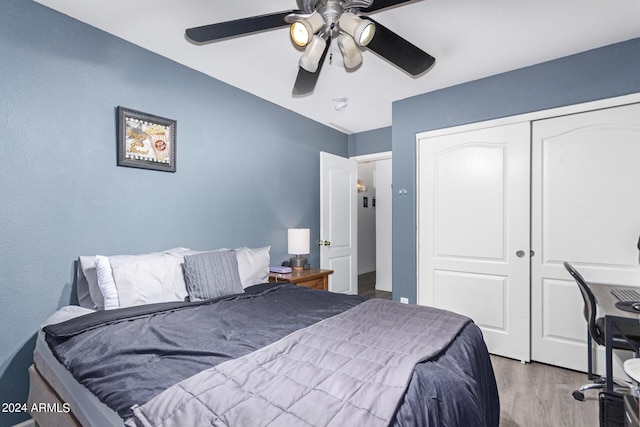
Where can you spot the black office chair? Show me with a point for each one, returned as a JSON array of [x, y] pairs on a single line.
[[626, 337]]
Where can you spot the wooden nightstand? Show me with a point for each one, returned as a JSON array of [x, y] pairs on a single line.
[[315, 278]]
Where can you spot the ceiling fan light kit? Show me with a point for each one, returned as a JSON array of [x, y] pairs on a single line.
[[351, 55], [310, 59], [315, 23], [302, 30], [362, 30]]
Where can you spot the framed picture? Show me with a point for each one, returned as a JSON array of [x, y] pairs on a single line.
[[146, 141]]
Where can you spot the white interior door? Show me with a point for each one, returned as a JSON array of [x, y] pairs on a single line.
[[473, 233], [586, 211], [338, 222]]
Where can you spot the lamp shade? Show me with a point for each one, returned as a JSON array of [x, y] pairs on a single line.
[[298, 242]]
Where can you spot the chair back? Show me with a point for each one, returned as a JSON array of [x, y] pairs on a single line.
[[589, 303]]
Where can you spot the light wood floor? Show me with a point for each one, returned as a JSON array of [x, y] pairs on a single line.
[[531, 395], [540, 395]]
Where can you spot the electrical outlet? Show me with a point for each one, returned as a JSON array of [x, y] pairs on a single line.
[[404, 300]]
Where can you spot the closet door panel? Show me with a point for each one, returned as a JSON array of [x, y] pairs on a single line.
[[469, 202], [585, 210], [474, 231]]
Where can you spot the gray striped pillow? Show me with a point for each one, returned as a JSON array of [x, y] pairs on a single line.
[[212, 275]]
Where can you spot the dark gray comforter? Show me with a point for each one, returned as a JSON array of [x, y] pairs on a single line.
[[128, 356]]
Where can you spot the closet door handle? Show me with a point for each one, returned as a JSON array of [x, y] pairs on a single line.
[[521, 254], [324, 243]]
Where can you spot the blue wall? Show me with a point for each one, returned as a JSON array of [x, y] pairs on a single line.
[[369, 142], [62, 195], [597, 74]]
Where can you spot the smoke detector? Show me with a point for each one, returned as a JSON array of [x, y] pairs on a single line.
[[340, 103]]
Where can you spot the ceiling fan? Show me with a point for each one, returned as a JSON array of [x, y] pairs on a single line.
[[315, 24]]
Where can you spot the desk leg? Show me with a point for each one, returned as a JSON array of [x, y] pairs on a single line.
[[608, 341]]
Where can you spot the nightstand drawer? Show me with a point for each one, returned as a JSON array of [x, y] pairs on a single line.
[[314, 278], [313, 284]]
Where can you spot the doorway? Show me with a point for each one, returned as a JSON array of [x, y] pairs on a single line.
[[374, 225]]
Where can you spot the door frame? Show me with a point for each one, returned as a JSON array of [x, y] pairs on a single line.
[[374, 157], [384, 155]]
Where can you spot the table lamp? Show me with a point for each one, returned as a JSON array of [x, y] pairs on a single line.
[[298, 244]]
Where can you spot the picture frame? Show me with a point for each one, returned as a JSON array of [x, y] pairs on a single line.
[[146, 141]]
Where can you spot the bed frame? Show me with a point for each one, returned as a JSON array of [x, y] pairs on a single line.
[[40, 391]]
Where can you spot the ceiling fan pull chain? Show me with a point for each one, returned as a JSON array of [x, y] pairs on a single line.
[[331, 44]]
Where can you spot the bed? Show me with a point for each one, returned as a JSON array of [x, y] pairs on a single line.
[[270, 354]]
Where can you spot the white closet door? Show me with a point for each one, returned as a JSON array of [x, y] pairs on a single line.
[[473, 235], [586, 210]]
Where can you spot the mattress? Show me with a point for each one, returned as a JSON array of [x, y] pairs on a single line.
[[458, 385], [85, 406]]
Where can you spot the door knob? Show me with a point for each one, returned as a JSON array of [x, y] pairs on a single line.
[[324, 243]]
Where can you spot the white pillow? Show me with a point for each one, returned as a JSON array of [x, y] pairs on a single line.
[[89, 295], [158, 276], [87, 276], [149, 278], [106, 283], [253, 265]]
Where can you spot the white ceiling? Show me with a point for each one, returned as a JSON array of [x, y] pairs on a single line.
[[470, 39]]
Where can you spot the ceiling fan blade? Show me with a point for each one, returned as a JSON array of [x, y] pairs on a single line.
[[383, 4], [399, 51], [306, 81], [238, 27]]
